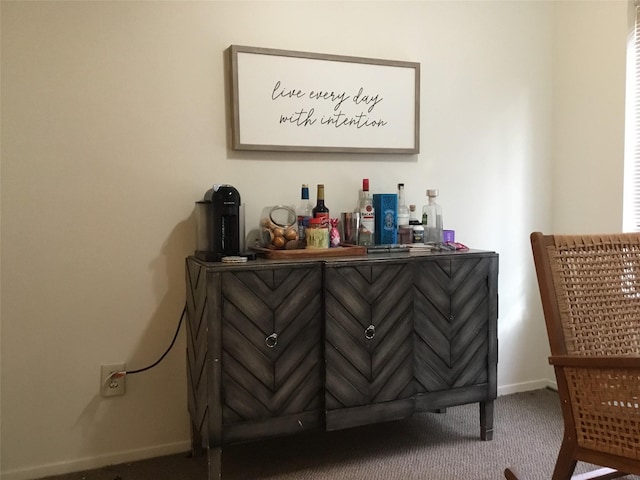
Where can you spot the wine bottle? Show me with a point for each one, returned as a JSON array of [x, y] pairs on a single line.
[[321, 210]]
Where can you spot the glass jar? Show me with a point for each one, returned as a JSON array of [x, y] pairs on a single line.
[[317, 234], [279, 228]]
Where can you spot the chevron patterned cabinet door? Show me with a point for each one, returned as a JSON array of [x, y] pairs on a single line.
[[368, 343], [272, 360], [455, 329]]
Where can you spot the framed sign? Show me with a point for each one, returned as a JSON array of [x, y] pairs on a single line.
[[306, 102]]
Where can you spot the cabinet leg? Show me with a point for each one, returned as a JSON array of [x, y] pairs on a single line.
[[196, 441], [486, 420], [214, 455]]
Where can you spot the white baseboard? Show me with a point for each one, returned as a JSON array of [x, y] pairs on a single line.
[[90, 463], [527, 386]]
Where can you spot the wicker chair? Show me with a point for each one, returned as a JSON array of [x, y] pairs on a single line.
[[590, 291]]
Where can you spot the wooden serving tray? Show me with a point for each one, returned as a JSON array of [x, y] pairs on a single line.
[[344, 250]]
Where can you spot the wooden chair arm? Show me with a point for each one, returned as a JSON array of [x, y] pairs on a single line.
[[618, 361]]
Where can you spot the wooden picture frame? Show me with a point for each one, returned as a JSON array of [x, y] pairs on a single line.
[[285, 100]]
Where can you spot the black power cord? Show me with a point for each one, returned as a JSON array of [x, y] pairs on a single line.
[[131, 372]]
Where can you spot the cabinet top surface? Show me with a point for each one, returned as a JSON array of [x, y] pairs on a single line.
[[330, 261]]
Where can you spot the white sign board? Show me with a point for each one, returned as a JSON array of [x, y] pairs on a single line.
[[298, 101]]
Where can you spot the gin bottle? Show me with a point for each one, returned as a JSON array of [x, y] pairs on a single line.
[[403, 211], [432, 219]]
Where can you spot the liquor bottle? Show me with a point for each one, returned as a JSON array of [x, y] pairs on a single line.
[[418, 229], [432, 219], [413, 216], [403, 211], [304, 213], [367, 215], [321, 210]]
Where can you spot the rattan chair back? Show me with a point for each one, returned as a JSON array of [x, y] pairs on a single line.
[[590, 292], [597, 290]]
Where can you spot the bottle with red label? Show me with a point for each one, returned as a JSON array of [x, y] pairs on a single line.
[[367, 215], [321, 210]]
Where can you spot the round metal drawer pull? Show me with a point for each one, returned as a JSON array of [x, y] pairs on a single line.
[[370, 332], [271, 340]]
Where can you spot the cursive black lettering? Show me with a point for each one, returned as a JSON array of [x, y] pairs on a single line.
[[367, 99], [320, 95], [277, 92], [358, 121], [301, 118]]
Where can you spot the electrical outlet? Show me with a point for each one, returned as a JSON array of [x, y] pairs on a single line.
[[111, 385]]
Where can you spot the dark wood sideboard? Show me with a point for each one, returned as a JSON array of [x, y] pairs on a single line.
[[278, 347]]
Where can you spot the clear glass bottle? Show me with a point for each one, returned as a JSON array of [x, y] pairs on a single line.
[[367, 216], [403, 210], [304, 213], [432, 218]]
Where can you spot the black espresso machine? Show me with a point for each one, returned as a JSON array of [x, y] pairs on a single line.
[[219, 224]]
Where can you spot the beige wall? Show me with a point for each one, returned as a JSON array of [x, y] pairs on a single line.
[[113, 124], [588, 98]]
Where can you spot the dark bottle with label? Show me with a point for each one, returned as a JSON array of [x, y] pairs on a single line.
[[418, 229], [321, 210]]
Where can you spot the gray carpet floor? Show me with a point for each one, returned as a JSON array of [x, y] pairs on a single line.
[[434, 446]]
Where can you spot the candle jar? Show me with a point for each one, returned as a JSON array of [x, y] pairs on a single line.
[[317, 234]]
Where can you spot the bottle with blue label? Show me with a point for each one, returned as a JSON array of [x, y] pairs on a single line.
[[386, 206]]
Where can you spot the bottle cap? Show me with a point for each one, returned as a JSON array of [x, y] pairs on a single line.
[[432, 192], [412, 208], [365, 184]]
